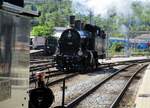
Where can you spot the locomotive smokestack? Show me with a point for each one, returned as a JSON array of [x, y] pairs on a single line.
[[72, 21], [78, 24]]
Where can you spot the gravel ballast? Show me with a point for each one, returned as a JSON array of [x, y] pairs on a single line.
[[79, 84], [106, 94]]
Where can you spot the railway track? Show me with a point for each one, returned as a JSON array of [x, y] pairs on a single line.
[[122, 92], [39, 56], [61, 79], [66, 77], [58, 75], [40, 69], [55, 73], [78, 84], [48, 74], [38, 61], [45, 65], [117, 75], [56, 82]]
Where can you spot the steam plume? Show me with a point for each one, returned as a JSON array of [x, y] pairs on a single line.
[[102, 7]]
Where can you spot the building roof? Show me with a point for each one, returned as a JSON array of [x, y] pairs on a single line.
[[143, 36], [60, 28]]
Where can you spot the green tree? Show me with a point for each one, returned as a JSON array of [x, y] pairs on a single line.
[[57, 12], [53, 13], [43, 30]]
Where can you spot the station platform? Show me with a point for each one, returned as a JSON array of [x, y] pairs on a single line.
[[120, 59], [143, 96]]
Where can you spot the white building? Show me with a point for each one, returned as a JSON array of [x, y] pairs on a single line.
[[58, 31]]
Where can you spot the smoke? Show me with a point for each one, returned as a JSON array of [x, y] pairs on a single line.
[[105, 7], [124, 29]]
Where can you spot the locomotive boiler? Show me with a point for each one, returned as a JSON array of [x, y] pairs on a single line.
[[80, 47]]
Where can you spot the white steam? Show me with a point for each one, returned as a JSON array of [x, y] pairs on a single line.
[[104, 7]]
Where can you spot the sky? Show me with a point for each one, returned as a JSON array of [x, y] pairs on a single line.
[[101, 7]]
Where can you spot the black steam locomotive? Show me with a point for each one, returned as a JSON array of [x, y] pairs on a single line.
[[80, 47]]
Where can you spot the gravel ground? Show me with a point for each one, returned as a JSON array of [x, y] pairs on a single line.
[[79, 84], [105, 95]]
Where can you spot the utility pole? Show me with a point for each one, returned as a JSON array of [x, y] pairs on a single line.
[[108, 34], [60, 1], [128, 50], [90, 16]]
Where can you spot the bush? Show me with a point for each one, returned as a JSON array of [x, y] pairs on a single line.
[[117, 47], [43, 30]]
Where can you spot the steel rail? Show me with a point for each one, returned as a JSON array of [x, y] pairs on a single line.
[[40, 65], [48, 59], [128, 61], [39, 61], [84, 95], [33, 78], [47, 76], [46, 72], [41, 68], [105, 65], [61, 79], [121, 94]]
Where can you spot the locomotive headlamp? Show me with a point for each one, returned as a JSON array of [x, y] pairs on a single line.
[[80, 53], [69, 34]]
